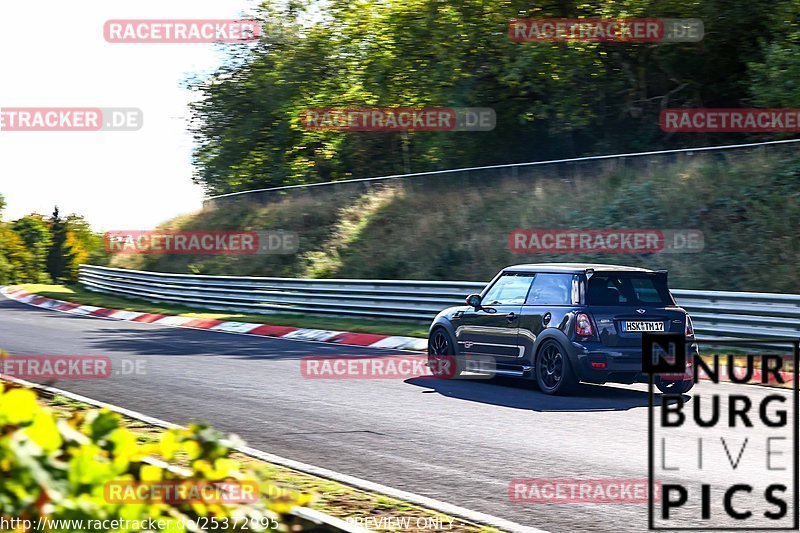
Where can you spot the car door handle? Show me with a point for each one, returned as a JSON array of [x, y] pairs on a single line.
[[511, 317]]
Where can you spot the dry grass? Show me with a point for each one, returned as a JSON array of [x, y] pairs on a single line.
[[456, 227]]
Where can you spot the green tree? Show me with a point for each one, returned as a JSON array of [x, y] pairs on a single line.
[[34, 230], [60, 255], [551, 99], [17, 263], [774, 78], [87, 246], [16, 260], [34, 249]]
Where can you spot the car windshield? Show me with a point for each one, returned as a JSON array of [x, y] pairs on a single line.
[[639, 289]]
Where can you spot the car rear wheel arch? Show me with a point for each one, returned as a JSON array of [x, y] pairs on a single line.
[[563, 368], [558, 336]]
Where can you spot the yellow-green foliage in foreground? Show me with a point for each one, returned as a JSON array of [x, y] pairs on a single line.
[[59, 469]]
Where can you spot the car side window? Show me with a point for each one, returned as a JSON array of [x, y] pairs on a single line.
[[508, 289], [551, 289]]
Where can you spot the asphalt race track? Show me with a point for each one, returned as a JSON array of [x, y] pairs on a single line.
[[457, 441]]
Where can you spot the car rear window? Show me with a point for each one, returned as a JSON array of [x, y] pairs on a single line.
[[643, 290]]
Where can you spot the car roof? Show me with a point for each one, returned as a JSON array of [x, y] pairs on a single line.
[[572, 268]]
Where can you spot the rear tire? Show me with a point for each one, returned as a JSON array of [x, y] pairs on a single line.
[[442, 360], [553, 370], [668, 386]]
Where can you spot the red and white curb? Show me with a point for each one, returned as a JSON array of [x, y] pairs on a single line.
[[755, 378], [345, 338]]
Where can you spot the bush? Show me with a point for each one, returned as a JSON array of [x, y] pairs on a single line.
[[17, 264], [58, 470]]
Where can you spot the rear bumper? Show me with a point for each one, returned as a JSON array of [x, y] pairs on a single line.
[[597, 363]]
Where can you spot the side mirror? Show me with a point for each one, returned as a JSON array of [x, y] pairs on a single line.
[[474, 300]]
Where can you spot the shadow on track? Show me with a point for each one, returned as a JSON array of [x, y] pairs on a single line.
[[522, 394], [132, 338], [167, 341]]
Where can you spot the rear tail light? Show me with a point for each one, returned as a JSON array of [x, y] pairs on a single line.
[[583, 326], [690, 355], [689, 327]]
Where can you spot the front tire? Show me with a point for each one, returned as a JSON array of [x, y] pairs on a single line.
[[442, 359], [552, 369]]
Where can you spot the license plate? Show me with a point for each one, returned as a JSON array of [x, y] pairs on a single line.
[[640, 326]]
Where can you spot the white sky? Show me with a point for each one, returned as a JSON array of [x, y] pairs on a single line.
[[54, 55]]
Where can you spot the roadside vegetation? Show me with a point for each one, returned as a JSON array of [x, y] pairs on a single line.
[[38, 249], [552, 100], [457, 228], [58, 454], [59, 468]]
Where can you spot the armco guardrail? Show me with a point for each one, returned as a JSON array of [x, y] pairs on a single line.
[[716, 314]]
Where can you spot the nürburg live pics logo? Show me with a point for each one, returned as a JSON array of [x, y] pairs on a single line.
[[725, 454]]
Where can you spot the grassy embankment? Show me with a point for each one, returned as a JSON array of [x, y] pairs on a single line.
[[747, 205]]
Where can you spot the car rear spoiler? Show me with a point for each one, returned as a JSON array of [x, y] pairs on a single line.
[[660, 273]]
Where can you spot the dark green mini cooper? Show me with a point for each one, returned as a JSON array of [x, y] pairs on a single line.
[[562, 323]]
